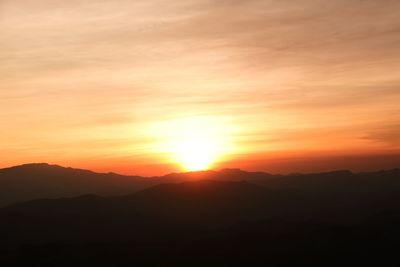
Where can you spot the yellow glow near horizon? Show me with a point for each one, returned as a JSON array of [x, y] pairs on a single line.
[[195, 143], [196, 152]]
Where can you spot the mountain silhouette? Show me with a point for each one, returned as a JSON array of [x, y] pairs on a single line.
[[206, 218], [209, 221], [33, 181], [195, 204]]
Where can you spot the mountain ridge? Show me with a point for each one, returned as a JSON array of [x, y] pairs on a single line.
[[42, 180], [308, 217]]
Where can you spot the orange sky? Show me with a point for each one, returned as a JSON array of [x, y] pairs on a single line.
[[103, 84]]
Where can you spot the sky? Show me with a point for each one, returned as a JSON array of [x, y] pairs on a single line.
[[280, 86]]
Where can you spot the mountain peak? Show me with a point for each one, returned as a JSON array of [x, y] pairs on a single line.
[[33, 164]]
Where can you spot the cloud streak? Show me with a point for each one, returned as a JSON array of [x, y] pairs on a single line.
[[279, 70]]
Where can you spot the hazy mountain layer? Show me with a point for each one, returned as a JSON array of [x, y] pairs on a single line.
[[33, 181]]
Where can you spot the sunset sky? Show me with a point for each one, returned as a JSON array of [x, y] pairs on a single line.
[[279, 86]]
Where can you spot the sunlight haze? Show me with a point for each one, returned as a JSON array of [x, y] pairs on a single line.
[[152, 87]]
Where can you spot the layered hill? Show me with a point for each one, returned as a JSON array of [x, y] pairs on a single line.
[[33, 181], [323, 219]]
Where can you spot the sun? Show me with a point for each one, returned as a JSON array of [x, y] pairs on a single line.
[[196, 152], [195, 143]]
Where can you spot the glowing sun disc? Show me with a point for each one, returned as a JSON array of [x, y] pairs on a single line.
[[195, 143], [196, 153]]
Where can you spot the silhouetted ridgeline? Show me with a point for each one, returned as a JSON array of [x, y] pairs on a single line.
[[217, 218], [41, 180], [32, 181]]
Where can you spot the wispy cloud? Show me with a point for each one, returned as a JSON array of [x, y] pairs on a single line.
[[282, 70], [387, 134]]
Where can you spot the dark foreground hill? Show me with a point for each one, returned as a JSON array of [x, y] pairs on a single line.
[[334, 219]]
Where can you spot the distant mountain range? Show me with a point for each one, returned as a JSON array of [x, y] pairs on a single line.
[[31, 181], [199, 219], [41, 180]]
